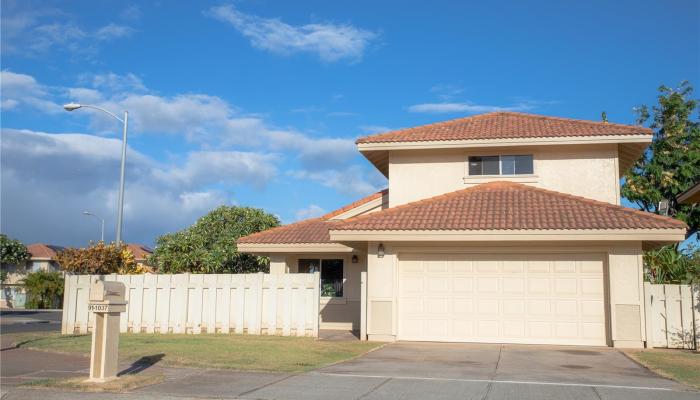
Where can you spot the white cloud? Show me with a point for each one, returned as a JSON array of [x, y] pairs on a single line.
[[312, 211], [113, 31], [331, 42], [20, 89], [234, 147], [49, 179], [352, 181], [470, 108], [222, 167], [29, 30]]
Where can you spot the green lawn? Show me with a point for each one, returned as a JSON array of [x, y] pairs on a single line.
[[239, 352], [681, 365]]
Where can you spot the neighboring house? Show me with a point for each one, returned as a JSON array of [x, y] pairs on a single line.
[[502, 227], [140, 252], [41, 259], [690, 196]]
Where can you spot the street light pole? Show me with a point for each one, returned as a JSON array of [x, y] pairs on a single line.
[[120, 207], [102, 230], [121, 183]]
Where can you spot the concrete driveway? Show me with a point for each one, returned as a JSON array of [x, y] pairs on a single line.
[[422, 371]]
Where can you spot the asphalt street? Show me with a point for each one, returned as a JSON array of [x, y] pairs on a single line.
[[16, 321]]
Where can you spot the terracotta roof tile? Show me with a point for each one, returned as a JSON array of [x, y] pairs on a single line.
[[313, 230], [139, 251], [41, 250], [508, 206], [505, 125]]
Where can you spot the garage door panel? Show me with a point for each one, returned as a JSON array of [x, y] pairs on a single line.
[[514, 285], [462, 285], [566, 286], [592, 287], [487, 266], [518, 298], [539, 286]]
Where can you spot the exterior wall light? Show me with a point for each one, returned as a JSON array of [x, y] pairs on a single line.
[[380, 250], [355, 259]]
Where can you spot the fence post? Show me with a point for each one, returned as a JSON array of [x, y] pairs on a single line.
[[695, 304], [317, 304], [363, 305], [258, 296]]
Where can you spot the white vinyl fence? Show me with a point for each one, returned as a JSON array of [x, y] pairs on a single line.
[[672, 315], [257, 304]]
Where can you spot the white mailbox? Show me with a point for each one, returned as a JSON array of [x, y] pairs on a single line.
[[106, 301], [107, 297]]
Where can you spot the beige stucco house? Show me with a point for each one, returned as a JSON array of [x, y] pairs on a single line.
[[502, 227]]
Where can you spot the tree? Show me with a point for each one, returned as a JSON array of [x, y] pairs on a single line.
[[672, 163], [44, 289], [209, 246], [99, 258], [12, 252]]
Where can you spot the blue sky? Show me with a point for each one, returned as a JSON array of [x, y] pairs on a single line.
[[259, 102]]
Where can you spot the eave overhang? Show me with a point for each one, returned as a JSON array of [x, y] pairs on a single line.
[[630, 147], [652, 235], [269, 248]]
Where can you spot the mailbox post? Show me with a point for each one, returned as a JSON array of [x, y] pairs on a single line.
[[106, 302]]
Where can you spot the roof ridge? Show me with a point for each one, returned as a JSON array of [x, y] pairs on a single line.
[[354, 204], [441, 124], [432, 124]]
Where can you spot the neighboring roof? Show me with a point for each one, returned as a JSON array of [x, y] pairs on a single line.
[[313, 230], [505, 125], [139, 251], [507, 206], [43, 251], [690, 196]]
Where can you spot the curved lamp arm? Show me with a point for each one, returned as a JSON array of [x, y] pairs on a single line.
[[103, 110]]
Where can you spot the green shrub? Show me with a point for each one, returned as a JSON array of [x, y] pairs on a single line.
[[670, 265], [44, 289]]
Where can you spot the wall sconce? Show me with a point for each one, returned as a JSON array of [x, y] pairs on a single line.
[[380, 250], [355, 259]]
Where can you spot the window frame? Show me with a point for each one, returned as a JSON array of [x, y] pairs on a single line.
[[500, 166], [320, 276]]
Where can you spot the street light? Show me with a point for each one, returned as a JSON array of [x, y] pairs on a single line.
[[120, 207], [103, 223]]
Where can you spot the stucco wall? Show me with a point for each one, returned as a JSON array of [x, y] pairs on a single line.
[[624, 286], [336, 313], [588, 171]]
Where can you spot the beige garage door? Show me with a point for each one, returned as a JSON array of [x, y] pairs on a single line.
[[524, 298]]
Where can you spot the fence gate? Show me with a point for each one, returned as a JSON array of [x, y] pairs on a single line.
[[672, 315]]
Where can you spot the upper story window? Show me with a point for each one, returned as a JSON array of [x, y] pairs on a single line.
[[501, 165]]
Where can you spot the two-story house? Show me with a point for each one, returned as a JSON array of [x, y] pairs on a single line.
[[502, 227]]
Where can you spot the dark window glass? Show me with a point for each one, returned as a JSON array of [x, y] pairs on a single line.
[[509, 165], [332, 278], [483, 165], [523, 164], [309, 266]]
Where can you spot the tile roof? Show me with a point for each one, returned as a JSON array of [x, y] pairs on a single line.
[[313, 230], [508, 206], [139, 251], [505, 125], [41, 250]]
